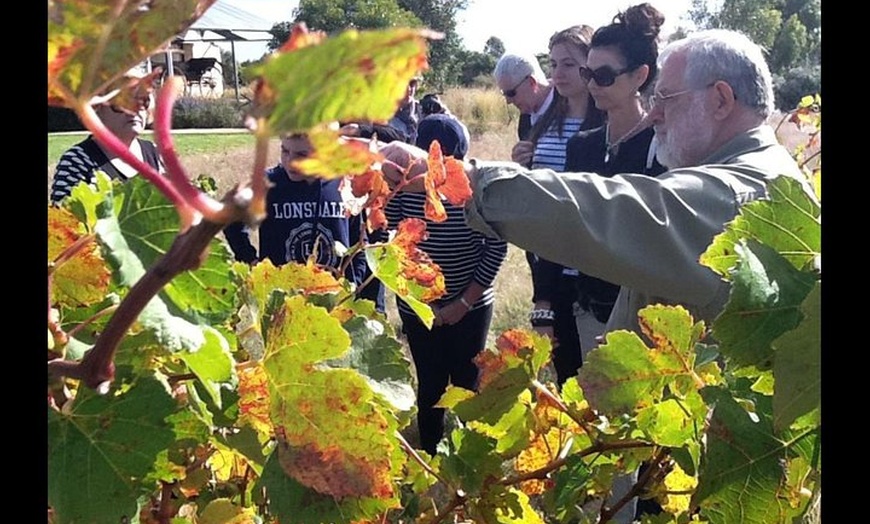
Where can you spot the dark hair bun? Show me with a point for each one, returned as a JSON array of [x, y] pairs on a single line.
[[642, 19]]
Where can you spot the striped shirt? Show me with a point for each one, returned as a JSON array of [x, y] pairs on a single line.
[[550, 148], [464, 255]]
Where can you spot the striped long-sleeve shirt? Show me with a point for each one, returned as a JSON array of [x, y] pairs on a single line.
[[464, 255]]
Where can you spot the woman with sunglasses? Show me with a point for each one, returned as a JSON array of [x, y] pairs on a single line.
[[620, 66], [572, 109], [78, 163]]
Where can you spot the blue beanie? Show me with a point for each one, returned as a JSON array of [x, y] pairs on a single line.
[[447, 131]]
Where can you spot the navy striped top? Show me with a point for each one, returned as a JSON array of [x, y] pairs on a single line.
[[463, 254]]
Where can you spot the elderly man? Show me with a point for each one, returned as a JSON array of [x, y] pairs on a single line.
[[710, 107], [523, 84], [709, 110]]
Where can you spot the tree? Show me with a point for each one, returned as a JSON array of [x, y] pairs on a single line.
[[445, 55], [790, 30], [494, 47]]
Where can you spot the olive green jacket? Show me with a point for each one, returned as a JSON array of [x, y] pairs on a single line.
[[645, 234]]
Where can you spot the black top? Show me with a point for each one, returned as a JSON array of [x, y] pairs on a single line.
[[586, 152]]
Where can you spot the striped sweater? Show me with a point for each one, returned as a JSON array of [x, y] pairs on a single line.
[[464, 255]]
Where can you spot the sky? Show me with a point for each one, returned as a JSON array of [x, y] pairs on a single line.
[[524, 26]]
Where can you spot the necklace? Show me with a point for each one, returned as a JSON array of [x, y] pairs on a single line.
[[613, 147]]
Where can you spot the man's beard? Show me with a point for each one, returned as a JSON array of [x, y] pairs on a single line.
[[685, 144]]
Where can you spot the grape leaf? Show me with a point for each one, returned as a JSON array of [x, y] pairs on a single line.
[[407, 270], [766, 295], [511, 431], [334, 437], [212, 363], [254, 402], [291, 501], [472, 461], [505, 506], [373, 185], [669, 424], [380, 360], [83, 279], [223, 511], [92, 43], [306, 278], [150, 224], [740, 477], [789, 222], [797, 367], [356, 75], [445, 177], [334, 157], [99, 451]]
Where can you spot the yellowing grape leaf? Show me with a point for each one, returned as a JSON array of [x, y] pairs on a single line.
[[356, 75], [505, 506], [542, 450], [254, 406], [335, 157], [407, 270], [83, 279], [445, 176], [291, 277], [91, 44], [679, 485], [624, 375], [334, 435]]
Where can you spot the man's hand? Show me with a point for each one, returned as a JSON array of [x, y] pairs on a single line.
[[522, 152], [450, 313], [398, 157]]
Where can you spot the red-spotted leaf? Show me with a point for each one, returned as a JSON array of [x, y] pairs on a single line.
[[445, 177], [83, 278], [91, 44], [292, 277], [407, 270], [334, 157], [334, 436], [356, 75], [254, 407]]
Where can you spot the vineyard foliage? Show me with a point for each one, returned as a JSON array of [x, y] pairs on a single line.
[[187, 388]]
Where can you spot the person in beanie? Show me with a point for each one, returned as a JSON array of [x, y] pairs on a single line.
[[469, 261]]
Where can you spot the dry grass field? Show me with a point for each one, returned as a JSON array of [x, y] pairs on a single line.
[[493, 127]]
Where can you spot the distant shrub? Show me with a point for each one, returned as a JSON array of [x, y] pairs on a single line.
[[796, 84], [480, 109], [206, 113]]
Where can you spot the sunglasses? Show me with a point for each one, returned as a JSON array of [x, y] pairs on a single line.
[[604, 76], [512, 92], [143, 104]]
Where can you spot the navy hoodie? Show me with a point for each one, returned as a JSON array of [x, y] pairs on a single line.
[[300, 215]]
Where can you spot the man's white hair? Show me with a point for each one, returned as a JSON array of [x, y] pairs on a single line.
[[513, 68], [730, 56]]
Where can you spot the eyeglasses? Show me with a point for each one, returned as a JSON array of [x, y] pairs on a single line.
[[143, 103], [656, 98], [512, 92], [604, 76]]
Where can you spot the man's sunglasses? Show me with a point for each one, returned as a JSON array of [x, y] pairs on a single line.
[[143, 104], [604, 76], [512, 92]]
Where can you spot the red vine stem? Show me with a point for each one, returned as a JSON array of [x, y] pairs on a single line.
[[207, 206]]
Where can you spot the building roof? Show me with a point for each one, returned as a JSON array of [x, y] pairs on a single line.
[[223, 21]]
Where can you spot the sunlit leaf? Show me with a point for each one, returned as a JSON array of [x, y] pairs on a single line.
[[505, 506], [91, 44], [789, 222], [212, 363], [83, 279], [333, 435], [445, 177], [542, 450], [766, 295], [472, 461], [677, 481], [353, 76], [100, 451], [373, 185], [254, 400], [291, 277], [797, 367], [334, 157], [223, 511], [511, 431], [407, 270], [290, 501]]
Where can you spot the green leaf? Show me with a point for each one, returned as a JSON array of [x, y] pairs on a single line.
[[472, 461], [766, 295], [91, 43], [512, 430], [570, 484], [290, 501], [797, 368], [336, 436], [149, 223], [789, 222], [741, 476], [212, 363], [101, 449], [381, 361], [667, 423], [356, 75]]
